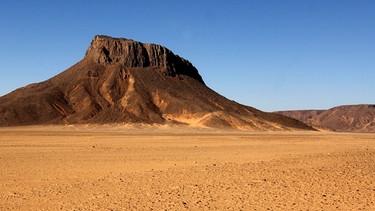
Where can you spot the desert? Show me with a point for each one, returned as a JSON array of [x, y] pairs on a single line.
[[133, 126], [187, 105], [160, 167]]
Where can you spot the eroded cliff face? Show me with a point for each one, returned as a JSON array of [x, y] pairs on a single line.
[[129, 53]]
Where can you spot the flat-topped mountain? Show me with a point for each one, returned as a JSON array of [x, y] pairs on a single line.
[[124, 81], [106, 50], [348, 118]]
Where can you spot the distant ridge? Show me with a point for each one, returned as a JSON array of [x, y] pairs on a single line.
[[347, 118], [124, 81]]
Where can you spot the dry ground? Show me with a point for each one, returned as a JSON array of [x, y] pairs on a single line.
[[127, 168]]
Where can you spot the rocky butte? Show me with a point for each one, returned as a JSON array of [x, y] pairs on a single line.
[[124, 81]]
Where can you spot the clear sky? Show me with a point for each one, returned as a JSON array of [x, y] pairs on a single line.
[[269, 54]]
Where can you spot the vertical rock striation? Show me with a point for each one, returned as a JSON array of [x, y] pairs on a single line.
[[129, 53]]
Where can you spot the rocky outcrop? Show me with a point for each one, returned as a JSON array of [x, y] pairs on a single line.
[[129, 53], [124, 81]]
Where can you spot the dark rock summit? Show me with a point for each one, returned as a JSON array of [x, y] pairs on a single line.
[[124, 81], [107, 50]]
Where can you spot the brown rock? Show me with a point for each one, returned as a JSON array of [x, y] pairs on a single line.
[[107, 50], [348, 118], [124, 81]]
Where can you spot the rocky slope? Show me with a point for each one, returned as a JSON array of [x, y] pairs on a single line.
[[348, 118], [124, 81]]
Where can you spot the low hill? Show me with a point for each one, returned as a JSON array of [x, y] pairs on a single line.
[[348, 118]]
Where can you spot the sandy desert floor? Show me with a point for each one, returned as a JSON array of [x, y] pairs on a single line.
[[127, 168]]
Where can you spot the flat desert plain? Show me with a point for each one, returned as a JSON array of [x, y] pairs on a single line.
[[171, 168]]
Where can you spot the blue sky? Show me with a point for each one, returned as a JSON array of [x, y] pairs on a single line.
[[272, 55]]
